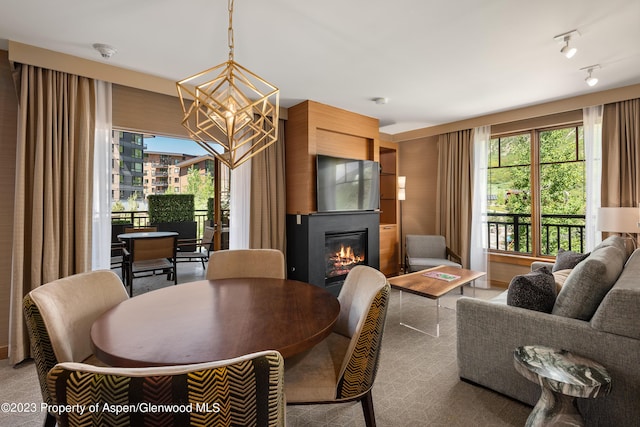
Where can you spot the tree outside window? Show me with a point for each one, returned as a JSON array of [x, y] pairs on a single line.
[[536, 191]]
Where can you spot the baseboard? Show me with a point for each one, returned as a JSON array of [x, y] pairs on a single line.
[[4, 352]]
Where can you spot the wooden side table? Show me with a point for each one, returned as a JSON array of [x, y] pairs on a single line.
[[563, 376]]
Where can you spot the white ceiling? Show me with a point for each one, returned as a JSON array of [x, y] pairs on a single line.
[[437, 61]]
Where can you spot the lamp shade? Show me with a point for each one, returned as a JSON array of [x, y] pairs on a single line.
[[402, 185], [618, 220]]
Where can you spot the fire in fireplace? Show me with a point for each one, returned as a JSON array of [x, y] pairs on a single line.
[[343, 251]]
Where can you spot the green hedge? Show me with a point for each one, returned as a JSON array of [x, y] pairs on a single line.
[[171, 208]]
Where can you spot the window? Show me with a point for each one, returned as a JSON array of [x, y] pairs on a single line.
[[536, 191]]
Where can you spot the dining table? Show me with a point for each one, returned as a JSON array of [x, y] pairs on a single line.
[[210, 320]]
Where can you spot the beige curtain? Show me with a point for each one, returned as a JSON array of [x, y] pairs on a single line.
[[621, 154], [454, 191], [53, 195], [268, 197]]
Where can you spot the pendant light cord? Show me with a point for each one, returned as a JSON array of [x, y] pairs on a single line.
[[230, 30]]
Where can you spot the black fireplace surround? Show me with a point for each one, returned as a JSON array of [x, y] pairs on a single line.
[[309, 241]]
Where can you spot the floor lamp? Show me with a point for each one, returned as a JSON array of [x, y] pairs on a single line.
[[402, 195], [619, 220]]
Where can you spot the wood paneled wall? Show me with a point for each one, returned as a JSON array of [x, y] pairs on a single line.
[[419, 163], [313, 128], [8, 135]]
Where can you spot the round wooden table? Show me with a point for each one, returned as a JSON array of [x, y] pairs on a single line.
[[213, 320]]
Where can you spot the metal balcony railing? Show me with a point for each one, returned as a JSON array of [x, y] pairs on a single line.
[[141, 218], [512, 233]]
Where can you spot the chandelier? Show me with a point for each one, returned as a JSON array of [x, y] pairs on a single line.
[[230, 106]]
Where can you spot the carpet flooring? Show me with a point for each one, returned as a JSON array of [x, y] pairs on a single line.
[[417, 382]]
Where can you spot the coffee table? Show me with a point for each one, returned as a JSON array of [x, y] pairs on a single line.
[[420, 283]]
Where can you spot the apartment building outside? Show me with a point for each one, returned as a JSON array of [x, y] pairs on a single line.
[[136, 171]]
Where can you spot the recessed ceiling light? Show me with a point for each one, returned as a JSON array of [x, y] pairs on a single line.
[[381, 100]]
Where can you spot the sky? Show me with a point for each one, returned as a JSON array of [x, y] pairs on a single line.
[[173, 145]]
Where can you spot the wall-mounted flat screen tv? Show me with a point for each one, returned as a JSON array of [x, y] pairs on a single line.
[[347, 184]]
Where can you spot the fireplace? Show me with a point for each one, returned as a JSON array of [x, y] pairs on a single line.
[[323, 247], [342, 252]]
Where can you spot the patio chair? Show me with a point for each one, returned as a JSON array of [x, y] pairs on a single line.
[[196, 250], [426, 251], [343, 367], [268, 263], [59, 316], [243, 391], [148, 256]]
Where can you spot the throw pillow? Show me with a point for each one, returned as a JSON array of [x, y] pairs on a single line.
[[567, 259], [560, 277], [533, 291], [589, 282]]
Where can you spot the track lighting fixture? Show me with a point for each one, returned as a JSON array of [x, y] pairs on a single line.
[[590, 79], [567, 50]]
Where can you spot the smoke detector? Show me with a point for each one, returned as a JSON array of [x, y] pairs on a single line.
[[105, 50]]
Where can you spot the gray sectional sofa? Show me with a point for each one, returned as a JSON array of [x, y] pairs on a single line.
[[489, 331]]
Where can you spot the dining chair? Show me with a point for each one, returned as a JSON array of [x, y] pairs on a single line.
[[343, 367], [59, 316], [148, 256], [426, 251], [196, 250], [232, 263], [243, 391]]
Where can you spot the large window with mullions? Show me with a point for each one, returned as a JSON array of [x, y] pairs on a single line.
[[536, 191]]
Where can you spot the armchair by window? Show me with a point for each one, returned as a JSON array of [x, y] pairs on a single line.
[[427, 251]]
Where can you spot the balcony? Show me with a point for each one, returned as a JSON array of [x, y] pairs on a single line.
[[141, 219], [512, 233]]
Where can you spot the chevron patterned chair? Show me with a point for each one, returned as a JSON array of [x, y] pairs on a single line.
[[228, 264], [343, 367], [59, 316], [245, 391]]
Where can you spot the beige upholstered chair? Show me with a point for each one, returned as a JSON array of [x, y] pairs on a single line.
[[59, 316], [426, 251], [343, 367], [245, 391], [227, 264]]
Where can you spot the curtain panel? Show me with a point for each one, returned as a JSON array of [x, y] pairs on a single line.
[[268, 197], [621, 154], [454, 191], [478, 248], [592, 125], [53, 187]]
